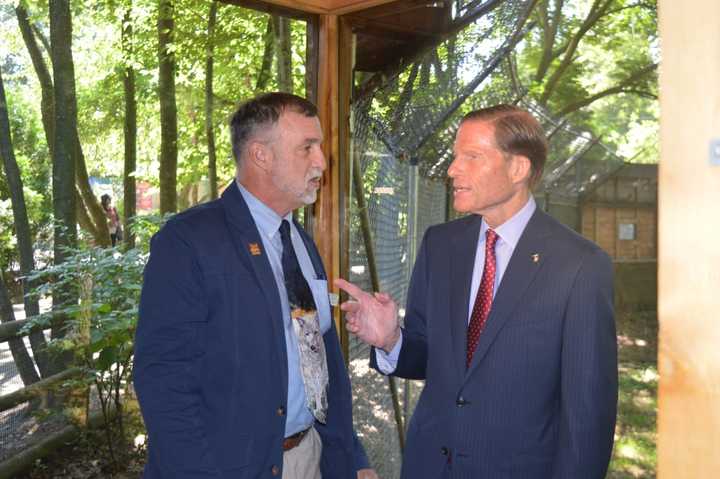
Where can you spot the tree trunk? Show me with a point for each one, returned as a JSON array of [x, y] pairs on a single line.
[[23, 361], [98, 226], [209, 132], [168, 108], [597, 11], [22, 224], [284, 54], [129, 128], [47, 102], [100, 231], [65, 234], [267, 58], [22, 358]]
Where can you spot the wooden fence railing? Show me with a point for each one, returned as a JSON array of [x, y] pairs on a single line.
[[20, 461]]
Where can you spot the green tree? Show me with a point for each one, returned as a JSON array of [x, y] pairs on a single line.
[[22, 359], [168, 107], [65, 235], [209, 104], [129, 124], [90, 213]]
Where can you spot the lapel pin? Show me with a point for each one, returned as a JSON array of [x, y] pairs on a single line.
[[254, 249], [535, 257]]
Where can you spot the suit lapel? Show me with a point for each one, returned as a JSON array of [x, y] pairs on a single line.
[[527, 259], [462, 260], [250, 249]]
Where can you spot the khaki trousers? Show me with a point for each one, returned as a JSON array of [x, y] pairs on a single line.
[[303, 461]]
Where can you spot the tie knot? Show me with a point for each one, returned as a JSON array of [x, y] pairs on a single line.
[[491, 238]]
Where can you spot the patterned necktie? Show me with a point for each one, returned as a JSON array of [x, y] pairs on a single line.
[[483, 300], [306, 324]]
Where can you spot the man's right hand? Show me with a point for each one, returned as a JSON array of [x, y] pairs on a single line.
[[372, 318]]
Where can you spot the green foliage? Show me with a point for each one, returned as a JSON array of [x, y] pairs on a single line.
[[111, 282], [99, 63], [100, 329], [617, 46]]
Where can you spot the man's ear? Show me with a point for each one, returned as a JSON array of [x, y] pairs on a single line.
[[521, 169], [259, 155]]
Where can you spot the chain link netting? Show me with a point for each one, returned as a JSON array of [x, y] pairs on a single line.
[[402, 137]]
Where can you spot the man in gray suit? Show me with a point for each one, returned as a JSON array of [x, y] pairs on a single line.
[[509, 321]]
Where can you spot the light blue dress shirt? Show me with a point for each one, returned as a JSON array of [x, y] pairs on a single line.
[[508, 236], [268, 223]]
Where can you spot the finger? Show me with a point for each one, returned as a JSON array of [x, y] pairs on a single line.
[[350, 306], [383, 297], [350, 289]]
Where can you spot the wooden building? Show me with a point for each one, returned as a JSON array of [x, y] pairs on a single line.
[[620, 214]]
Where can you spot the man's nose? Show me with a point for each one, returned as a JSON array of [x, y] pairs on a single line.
[[319, 160], [452, 169]]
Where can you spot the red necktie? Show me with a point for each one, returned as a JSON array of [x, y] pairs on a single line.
[[483, 300]]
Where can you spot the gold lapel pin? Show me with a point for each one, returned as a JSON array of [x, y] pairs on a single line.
[[535, 257], [255, 249]]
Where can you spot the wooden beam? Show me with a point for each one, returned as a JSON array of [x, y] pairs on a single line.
[[335, 55], [324, 228], [23, 460], [11, 329], [34, 390], [342, 7], [346, 67], [289, 9], [320, 7], [689, 254]]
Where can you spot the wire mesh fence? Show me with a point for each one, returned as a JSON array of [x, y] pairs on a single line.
[[402, 138], [15, 423]]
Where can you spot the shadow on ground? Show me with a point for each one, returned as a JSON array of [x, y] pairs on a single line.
[[635, 435]]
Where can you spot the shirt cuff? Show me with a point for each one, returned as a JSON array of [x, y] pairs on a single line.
[[387, 362]]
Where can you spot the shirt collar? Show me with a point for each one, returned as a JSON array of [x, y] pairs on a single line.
[[510, 231], [266, 219]]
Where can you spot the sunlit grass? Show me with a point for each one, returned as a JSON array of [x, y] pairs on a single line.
[[634, 454]]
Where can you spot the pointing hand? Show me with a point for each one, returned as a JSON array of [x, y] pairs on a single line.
[[371, 317]]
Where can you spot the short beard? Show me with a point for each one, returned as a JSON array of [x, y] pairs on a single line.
[[309, 197]]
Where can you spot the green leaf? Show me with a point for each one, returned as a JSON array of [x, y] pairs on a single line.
[[107, 358]]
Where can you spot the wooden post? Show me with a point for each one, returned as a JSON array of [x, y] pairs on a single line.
[[689, 252], [325, 226], [335, 52]]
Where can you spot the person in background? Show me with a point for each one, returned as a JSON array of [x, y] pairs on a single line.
[[113, 219]]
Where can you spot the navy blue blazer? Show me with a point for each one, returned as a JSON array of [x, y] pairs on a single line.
[[210, 358], [539, 398]]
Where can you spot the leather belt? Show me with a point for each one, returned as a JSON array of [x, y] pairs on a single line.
[[294, 440]]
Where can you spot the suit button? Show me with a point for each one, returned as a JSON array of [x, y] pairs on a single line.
[[280, 411], [444, 451], [461, 401], [275, 470]]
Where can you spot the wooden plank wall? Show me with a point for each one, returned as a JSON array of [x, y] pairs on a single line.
[[689, 228], [600, 224]]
